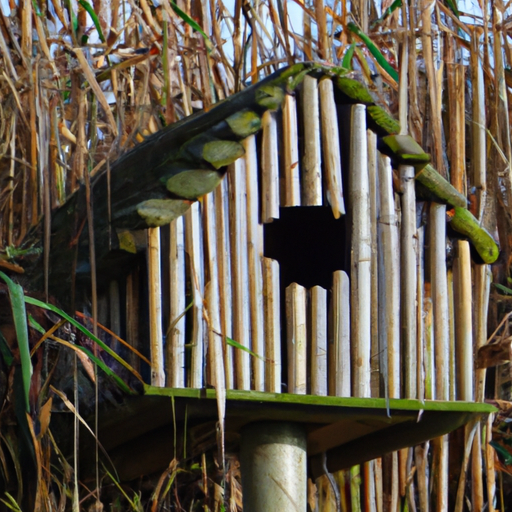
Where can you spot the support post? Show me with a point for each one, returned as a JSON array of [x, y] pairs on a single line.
[[274, 472]]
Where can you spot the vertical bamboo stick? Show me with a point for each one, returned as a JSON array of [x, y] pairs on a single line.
[[155, 309], [373, 177], [132, 316], [291, 153], [255, 253], [441, 338], [269, 168], [331, 148], [361, 253], [272, 325], [194, 250], [339, 336], [176, 331], [409, 282], [225, 290], [296, 338], [240, 279], [389, 279], [312, 159], [450, 277], [318, 333]]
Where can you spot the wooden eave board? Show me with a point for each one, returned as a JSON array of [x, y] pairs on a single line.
[[349, 430]]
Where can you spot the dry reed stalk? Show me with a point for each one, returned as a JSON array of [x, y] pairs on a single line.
[[427, 39], [339, 336], [469, 435], [374, 205], [489, 464], [155, 309], [272, 325], [369, 497], [403, 89], [361, 254], [379, 493], [269, 168], [409, 252], [450, 274], [291, 171], [225, 287], [318, 336], [312, 157], [464, 321], [177, 283], [255, 253], [389, 279], [194, 251], [239, 272], [296, 338], [478, 124], [331, 148]]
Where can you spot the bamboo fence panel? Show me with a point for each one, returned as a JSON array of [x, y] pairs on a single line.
[[194, 250], [312, 157], [296, 338], [176, 330], [239, 272], [361, 254]]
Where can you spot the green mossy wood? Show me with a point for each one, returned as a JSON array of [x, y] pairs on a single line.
[[157, 181]]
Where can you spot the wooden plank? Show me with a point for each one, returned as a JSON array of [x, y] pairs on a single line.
[[155, 309], [339, 336], [194, 250], [331, 148], [318, 336], [272, 312], [291, 152], [176, 330], [255, 253], [239, 272], [360, 276], [269, 168], [296, 338], [312, 158]]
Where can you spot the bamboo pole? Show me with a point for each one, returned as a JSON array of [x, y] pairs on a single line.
[[318, 334], [240, 279], [441, 338], [225, 290], [272, 325], [389, 279], [331, 148], [155, 309], [194, 250], [269, 168], [361, 253], [296, 338], [255, 253], [312, 158], [132, 316], [373, 177], [176, 330], [408, 272], [291, 153], [339, 336]]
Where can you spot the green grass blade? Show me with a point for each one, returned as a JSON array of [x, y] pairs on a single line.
[[347, 58], [84, 330], [235, 344], [387, 12], [191, 23], [94, 17], [392, 72], [20, 323]]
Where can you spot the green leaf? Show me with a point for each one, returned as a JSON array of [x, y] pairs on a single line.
[[504, 289], [20, 323], [392, 72], [84, 330], [193, 24], [507, 457], [235, 344], [452, 5], [395, 5], [94, 17], [347, 58]]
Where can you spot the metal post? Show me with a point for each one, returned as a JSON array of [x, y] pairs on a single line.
[[273, 464]]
